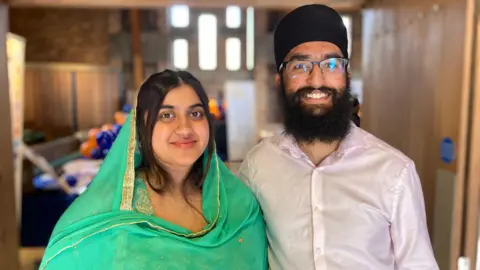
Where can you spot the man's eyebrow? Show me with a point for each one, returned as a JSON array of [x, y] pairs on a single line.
[[303, 57], [299, 56], [332, 55]]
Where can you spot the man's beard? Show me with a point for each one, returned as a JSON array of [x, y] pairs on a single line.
[[311, 122]]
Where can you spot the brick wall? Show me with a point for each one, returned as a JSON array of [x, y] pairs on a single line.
[[63, 35]]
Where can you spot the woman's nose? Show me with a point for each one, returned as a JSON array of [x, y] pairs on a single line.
[[184, 127]]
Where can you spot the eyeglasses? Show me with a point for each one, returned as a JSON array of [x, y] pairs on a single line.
[[329, 67]]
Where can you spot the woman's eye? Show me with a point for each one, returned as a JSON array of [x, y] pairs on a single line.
[[197, 114], [166, 116]]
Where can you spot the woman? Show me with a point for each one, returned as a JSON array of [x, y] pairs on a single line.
[[162, 199]]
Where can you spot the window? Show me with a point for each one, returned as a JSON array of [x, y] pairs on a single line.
[[207, 41], [250, 39], [233, 16], [180, 53], [233, 49], [347, 21], [179, 16]]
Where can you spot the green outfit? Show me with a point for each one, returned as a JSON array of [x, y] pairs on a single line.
[[112, 225]]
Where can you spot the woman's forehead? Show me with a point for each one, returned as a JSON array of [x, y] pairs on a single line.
[[181, 96]]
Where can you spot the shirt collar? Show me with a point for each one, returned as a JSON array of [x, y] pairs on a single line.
[[354, 139]]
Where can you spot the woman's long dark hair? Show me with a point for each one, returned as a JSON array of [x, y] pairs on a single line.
[[150, 98]]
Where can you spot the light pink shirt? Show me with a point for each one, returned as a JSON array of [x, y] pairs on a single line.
[[362, 208]]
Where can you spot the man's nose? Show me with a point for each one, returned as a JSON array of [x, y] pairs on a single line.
[[316, 78]]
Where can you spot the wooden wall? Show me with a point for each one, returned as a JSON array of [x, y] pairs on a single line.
[[413, 71], [61, 99]]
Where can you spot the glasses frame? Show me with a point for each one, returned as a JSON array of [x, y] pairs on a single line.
[[345, 62]]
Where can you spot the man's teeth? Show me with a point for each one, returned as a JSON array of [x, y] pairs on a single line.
[[317, 95]]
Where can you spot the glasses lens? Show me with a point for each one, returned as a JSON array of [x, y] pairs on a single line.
[[297, 67], [333, 65]]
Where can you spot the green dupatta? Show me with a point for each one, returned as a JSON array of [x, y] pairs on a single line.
[[104, 230]]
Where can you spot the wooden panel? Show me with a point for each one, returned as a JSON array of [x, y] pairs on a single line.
[[340, 5], [460, 241], [137, 59], [8, 221], [61, 98], [471, 226], [48, 101], [413, 69], [98, 98]]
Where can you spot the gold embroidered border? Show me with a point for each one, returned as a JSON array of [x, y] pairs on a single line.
[[129, 178]]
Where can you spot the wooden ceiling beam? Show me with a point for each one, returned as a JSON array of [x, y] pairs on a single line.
[[341, 5]]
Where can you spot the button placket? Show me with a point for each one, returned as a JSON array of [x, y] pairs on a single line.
[[318, 220]]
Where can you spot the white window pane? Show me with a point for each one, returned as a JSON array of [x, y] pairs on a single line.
[[347, 21], [180, 53], [234, 17], [233, 49], [207, 42], [179, 16], [250, 37]]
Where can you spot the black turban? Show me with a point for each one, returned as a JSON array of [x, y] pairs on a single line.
[[309, 23]]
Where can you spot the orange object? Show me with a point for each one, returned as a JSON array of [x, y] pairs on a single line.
[[120, 118], [213, 107], [86, 148], [92, 134]]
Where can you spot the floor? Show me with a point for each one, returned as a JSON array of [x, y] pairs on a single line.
[[30, 258]]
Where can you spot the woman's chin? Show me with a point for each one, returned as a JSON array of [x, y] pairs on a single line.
[[185, 159], [177, 157]]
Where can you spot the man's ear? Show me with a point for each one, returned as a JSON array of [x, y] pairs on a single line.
[[277, 81]]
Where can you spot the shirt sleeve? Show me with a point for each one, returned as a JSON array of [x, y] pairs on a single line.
[[411, 241]]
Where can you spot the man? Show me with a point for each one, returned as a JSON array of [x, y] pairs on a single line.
[[333, 196]]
